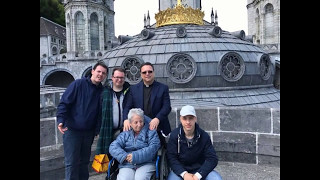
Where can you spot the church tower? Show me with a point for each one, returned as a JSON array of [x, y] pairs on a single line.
[[89, 25], [264, 23], [195, 4]]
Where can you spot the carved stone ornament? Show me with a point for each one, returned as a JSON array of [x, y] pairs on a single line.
[[181, 68], [231, 67], [132, 67], [265, 67]]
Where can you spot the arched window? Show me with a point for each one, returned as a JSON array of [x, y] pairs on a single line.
[[106, 38], [80, 32], [54, 50], [68, 29], [257, 23], [94, 32], [269, 25]]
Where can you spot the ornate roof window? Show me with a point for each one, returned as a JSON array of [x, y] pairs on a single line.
[[132, 67], [231, 67], [181, 68], [265, 67]]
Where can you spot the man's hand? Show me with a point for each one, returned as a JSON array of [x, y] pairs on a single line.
[[195, 177], [61, 128], [126, 125], [188, 176], [154, 124]]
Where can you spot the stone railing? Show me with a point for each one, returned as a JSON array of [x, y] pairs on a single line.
[[246, 135], [52, 60]]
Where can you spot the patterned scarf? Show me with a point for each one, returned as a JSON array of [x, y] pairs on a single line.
[[105, 135]]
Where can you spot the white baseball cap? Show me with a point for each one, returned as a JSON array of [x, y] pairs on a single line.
[[188, 110]]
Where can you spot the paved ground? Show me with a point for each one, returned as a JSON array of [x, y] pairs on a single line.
[[234, 171]]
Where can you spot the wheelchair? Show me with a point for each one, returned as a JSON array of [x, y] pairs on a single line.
[[162, 168]]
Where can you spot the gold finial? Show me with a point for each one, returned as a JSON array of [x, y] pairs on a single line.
[[179, 15], [178, 2]]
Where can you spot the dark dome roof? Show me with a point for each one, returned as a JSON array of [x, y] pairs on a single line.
[[194, 58]]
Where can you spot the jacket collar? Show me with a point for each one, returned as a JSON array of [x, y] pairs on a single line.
[[196, 133]]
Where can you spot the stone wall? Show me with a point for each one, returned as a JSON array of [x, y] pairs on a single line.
[[246, 135]]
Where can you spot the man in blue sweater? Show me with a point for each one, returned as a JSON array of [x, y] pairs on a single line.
[[79, 120], [190, 152]]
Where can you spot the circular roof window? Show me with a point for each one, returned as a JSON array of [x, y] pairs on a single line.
[[181, 68], [265, 67], [231, 67], [132, 67]]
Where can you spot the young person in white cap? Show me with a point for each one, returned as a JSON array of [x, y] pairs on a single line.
[[190, 152]]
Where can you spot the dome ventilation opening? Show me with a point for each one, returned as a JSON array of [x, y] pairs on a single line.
[[146, 34], [216, 31], [123, 39], [239, 34], [249, 38]]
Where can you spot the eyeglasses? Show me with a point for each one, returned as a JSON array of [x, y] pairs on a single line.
[[145, 72], [118, 77]]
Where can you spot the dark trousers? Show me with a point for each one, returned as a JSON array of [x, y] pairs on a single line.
[[77, 151]]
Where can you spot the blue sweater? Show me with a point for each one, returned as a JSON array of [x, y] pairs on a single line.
[[79, 107], [199, 157]]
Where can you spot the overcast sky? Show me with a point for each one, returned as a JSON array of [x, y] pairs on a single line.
[[232, 14]]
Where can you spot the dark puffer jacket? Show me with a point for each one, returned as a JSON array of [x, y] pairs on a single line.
[[198, 157]]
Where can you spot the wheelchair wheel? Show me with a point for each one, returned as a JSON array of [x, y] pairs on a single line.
[[164, 169], [113, 170]]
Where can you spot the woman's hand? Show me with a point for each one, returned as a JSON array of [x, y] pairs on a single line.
[[129, 158]]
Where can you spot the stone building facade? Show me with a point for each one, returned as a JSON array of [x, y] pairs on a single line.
[[89, 25], [195, 4], [264, 24], [52, 38]]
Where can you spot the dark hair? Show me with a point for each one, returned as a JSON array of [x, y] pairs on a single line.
[[118, 69], [146, 64], [100, 63]]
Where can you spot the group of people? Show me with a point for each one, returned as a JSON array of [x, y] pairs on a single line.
[[129, 121]]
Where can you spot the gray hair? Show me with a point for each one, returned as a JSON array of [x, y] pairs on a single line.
[[135, 111]]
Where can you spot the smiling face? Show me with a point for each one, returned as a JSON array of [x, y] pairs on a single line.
[[147, 74], [136, 123], [118, 79], [98, 74]]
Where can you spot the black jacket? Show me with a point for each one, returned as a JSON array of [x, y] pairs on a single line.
[[199, 157]]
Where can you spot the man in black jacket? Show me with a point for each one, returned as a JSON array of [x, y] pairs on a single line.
[[190, 151], [79, 121]]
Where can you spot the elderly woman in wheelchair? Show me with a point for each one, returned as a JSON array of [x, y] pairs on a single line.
[[136, 149]]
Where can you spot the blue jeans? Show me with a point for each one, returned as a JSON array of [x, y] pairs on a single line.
[[213, 175], [77, 151], [142, 173]]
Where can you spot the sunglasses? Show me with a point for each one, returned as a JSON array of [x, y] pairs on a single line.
[[118, 77], [145, 72]]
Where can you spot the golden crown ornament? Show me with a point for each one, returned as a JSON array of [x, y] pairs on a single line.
[[179, 15]]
